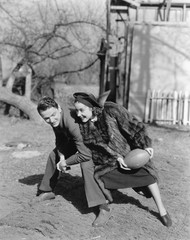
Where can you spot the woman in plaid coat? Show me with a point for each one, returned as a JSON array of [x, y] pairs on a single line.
[[111, 132]]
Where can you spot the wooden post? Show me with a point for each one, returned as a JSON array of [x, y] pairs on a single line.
[[131, 28], [125, 65], [102, 74], [111, 85], [170, 108], [168, 6], [174, 112], [152, 107], [180, 108], [102, 56], [158, 106], [108, 18], [162, 107], [185, 108], [107, 57], [108, 30], [184, 12], [147, 107]]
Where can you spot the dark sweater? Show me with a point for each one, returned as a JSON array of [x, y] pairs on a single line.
[[68, 139]]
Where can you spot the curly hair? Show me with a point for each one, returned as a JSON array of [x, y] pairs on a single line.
[[45, 103], [96, 111]]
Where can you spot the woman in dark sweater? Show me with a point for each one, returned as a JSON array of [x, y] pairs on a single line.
[[111, 132]]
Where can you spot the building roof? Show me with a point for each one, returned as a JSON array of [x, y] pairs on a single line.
[[148, 2]]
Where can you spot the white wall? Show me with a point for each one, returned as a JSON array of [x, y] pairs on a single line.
[[161, 61]]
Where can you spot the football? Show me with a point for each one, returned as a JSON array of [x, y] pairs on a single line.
[[136, 158]]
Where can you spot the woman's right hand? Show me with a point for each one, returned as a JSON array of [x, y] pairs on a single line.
[[122, 164]]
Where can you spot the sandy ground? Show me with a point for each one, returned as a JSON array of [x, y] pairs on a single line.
[[67, 216]]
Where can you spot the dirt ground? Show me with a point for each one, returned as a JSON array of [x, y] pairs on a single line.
[[67, 216]]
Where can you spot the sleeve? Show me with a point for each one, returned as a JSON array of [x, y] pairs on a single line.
[[131, 128], [83, 154]]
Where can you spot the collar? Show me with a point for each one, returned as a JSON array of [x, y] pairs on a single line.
[[94, 119]]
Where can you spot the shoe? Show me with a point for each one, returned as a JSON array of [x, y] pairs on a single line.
[[102, 218], [166, 220], [43, 196], [46, 196]]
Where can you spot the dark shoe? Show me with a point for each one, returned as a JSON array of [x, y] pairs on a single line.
[[39, 192], [102, 218], [166, 220]]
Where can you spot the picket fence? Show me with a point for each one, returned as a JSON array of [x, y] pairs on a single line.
[[167, 108]]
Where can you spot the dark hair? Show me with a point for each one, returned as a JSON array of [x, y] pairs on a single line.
[[96, 111], [45, 103]]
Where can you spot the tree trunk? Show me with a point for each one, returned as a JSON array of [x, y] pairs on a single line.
[[28, 84], [10, 82], [21, 102]]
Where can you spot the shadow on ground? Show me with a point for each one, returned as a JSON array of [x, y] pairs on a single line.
[[71, 189]]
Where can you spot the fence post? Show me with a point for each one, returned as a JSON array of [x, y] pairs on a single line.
[[170, 101], [147, 106], [175, 107], [152, 106], [158, 105], [180, 108], [162, 106], [185, 108]]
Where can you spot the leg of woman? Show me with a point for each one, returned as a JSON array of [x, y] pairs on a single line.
[[165, 218], [157, 198]]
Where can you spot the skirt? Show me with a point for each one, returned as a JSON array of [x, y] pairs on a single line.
[[119, 178]]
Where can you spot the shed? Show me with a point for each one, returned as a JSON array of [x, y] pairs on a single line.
[[149, 48]]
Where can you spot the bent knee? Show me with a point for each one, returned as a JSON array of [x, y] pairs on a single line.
[[53, 157], [87, 166]]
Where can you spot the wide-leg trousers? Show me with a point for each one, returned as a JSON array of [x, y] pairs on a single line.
[[93, 193]]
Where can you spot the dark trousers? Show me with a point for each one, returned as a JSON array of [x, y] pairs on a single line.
[[93, 193]]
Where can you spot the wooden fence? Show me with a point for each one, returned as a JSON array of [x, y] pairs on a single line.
[[167, 108]]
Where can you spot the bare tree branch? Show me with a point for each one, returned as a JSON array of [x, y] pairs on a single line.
[[77, 70], [92, 23]]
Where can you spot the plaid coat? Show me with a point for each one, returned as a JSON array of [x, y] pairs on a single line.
[[113, 135]]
